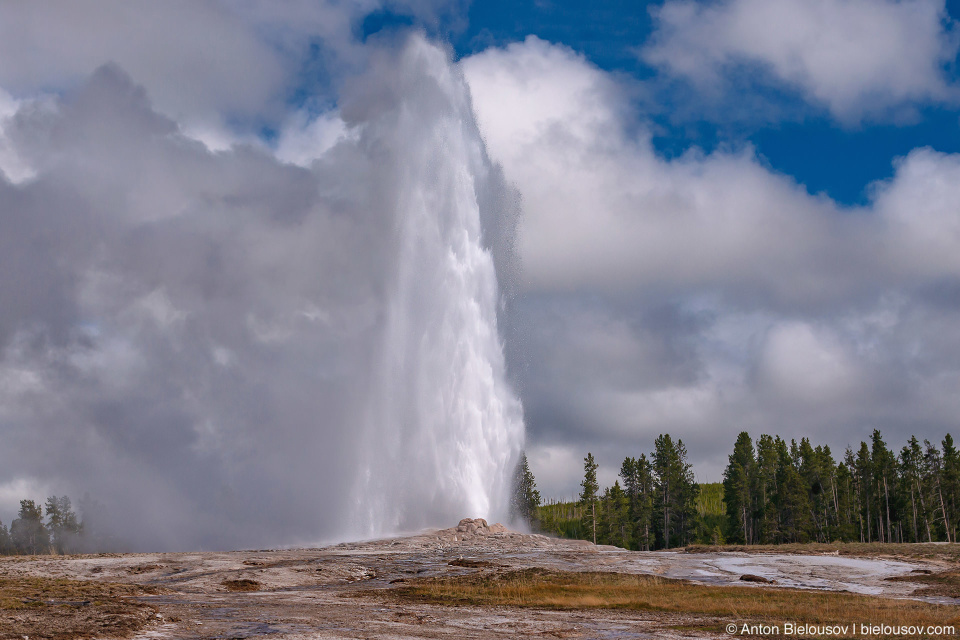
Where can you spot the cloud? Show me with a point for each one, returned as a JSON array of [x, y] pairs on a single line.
[[305, 139], [222, 70], [707, 294], [603, 211], [856, 58], [198, 339], [916, 209], [11, 166], [192, 56], [805, 364]]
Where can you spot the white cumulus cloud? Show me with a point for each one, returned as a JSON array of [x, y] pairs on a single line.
[[856, 58]]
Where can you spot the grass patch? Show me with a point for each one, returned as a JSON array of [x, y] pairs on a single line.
[[244, 584], [569, 590], [471, 563], [945, 583], [64, 609]]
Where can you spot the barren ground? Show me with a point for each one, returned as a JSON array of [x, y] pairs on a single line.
[[340, 591]]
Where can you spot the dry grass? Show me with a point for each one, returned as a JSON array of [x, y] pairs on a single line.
[[62, 609], [470, 563], [566, 590], [243, 584], [920, 551], [945, 583]]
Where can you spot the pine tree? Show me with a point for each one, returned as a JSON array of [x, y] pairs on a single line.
[[637, 477], [631, 487], [793, 499], [935, 465], [588, 495], [525, 498], [863, 473], [884, 471], [687, 496], [6, 545], [614, 519], [816, 469], [768, 465], [911, 457], [663, 458], [828, 500], [62, 523], [846, 504], [27, 532], [951, 483], [674, 502], [738, 490], [807, 467]]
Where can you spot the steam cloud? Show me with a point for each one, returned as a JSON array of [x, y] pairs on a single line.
[[229, 350]]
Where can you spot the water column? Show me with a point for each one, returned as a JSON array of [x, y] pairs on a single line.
[[442, 429]]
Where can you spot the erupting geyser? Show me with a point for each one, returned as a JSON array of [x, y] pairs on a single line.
[[443, 428]]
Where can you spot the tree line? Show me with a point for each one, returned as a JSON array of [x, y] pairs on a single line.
[[54, 528], [778, 493], [772, 493]]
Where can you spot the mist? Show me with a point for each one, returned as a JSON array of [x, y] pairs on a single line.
[[229, 350]]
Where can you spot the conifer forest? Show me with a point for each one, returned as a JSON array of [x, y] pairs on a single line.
[[773, 492]]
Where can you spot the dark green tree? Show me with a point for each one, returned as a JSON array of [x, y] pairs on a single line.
[[27, 532], [6, 545], [588, 495], [674, 502], [686, 497], [951, 484], [816, 469], [793, 499], [827, 499], [739, 490], [934, 464], [768, 466], [863, 478], [525, 498], [917, 518], [614, 520], [884, 466], [847, 528], [637, 476]]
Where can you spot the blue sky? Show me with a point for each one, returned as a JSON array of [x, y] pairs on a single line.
[[840, 161]]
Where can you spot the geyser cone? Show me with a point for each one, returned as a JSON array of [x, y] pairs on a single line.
[[443, 428]]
